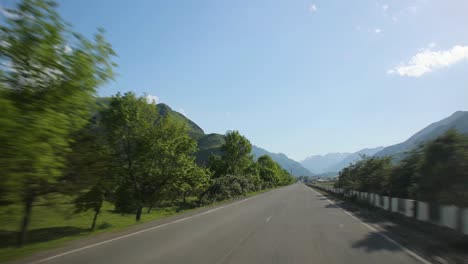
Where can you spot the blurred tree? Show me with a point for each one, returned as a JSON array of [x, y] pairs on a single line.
[[403, 179], [89, 171], [49, 74], [444, 170], [149, 152]]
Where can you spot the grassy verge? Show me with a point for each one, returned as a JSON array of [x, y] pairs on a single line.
[[54, 226]]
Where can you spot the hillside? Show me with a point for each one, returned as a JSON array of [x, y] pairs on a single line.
[[207, 145], [194, 130], [292, 166], [457, 121], [210, 144], [320, 164]]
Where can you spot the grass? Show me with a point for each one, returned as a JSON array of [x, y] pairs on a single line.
[[54, 225]]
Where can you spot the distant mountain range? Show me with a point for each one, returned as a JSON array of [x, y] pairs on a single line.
[[210, 144], [319, 164], [331, 164], [353, 157]]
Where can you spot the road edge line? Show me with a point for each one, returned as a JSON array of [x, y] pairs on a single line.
[[407, 250], [138, 232]]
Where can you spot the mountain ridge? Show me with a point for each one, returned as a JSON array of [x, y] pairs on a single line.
[[210, 144], [457, 121]]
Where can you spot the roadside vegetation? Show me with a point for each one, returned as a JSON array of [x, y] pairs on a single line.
[[435, 172], [71, 165]]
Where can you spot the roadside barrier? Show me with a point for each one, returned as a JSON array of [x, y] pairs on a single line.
[[449, 216]]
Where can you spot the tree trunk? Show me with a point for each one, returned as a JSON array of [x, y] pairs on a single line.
[[185, 201], [149, 209], [138, 213], [96, 213], [28, 203]]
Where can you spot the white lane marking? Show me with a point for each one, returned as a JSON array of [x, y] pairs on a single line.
[[139, 232], [407, 250], [268, 219]]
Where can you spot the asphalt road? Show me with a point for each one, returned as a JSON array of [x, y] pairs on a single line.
[[293, 224]]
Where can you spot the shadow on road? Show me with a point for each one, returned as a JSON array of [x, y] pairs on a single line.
[[375, 242], [433, 242]]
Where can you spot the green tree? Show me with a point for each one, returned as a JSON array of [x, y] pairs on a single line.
[[149, 152], [50, 76], [404, 177], [269, 171], [370, 174], [237, 153], [7, 137], [444, 170], [89, 171]]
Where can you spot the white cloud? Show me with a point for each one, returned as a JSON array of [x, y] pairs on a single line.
[[432, 45], [385, 7], [182, 111], [152, 99], [377, 31], [312, 8], [427, 60]]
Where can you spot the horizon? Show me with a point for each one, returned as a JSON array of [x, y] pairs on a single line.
[[301, 78]]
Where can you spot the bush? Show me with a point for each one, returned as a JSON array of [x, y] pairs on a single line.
[[228, 187]]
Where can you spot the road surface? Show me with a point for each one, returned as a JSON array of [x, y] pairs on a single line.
[[293, 224]]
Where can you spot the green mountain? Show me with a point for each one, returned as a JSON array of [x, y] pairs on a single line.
[[457, 121], [207, 145], [292, 166], [194, 130], [210, 144]]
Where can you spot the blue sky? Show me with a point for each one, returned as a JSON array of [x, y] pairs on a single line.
[[294, 76]]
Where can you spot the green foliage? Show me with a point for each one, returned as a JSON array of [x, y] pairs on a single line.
[[235, 172], [50, 75], [444, 170], [370, 174], [435, 172], [58, 140], [150, 152], [237, 153], [404, 177], [271, 173], [193, 129], [89, 171], [228, 187]]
